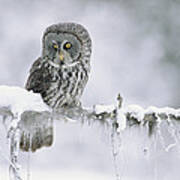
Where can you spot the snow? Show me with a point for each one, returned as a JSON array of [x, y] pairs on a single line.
[[138, 112], [135, 111], [103, 108], [166, 110], [19, 100]]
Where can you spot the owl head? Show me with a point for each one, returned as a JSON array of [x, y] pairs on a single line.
[[66, 43]]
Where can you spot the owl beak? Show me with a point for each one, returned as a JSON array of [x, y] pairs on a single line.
[[61, 56]]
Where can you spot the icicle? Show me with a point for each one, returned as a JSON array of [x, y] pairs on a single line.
[[116, 146], [158, 129], [117, 127], [145, 148], [29, 163], [155, 166], [14, 137], [175, 134]]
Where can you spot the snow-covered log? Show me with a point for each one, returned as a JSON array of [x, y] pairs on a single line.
[[35, 119], [29, 122]]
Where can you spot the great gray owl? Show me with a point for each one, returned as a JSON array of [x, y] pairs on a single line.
[[62, 71], [59, 75]]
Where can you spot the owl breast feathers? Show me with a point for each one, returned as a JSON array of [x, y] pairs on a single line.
[[62, 71]]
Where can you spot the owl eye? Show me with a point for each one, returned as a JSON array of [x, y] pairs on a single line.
[[55, 46], [68, 45]]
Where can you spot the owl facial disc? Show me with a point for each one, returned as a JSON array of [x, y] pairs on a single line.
[[67, 43]]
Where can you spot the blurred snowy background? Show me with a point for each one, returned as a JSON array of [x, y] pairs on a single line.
[[135, 52]]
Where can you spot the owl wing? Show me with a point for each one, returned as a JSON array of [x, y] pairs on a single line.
[[38, 78]]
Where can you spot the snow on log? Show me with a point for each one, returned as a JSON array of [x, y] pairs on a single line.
[[34, 118], [19, 100], [31, 121]]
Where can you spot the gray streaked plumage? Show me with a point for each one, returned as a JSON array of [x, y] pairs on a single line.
[[62, 71], [59, 75]]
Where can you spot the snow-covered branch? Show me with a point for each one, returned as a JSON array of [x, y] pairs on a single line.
[[29, 122], [121, 117], [35, 120]]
